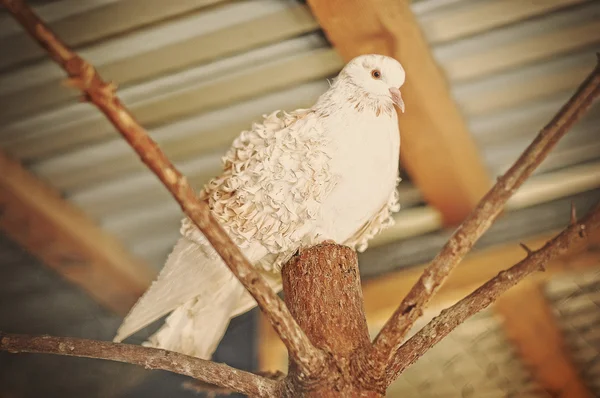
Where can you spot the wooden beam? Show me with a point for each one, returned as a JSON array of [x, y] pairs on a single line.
[[382, 294], [64, 238], [530, 325], [437, 150]]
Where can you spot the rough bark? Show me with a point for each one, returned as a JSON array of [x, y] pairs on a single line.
[[323, 292]]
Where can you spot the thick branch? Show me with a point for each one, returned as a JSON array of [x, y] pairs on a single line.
[[390, 337], [150, 358], [451, 317], [322, 290], [85, 77]]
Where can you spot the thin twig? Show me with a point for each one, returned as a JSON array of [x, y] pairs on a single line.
[[451, 317], [150, 358], [481, 218], [82, 75]]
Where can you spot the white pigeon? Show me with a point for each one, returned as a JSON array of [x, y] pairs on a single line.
[[296, 179]]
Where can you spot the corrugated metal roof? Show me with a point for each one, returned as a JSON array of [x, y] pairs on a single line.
[[196, 73], [474, 361], [576, 302]]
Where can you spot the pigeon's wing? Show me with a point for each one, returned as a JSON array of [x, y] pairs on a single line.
[[274, 177]]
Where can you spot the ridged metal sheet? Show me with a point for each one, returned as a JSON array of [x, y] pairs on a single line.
[[196, 73], [576, 302], [475, 360]]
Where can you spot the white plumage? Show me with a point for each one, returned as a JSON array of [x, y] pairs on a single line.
[[296, 179]]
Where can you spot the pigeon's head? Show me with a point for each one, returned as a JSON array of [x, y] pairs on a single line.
[[378, 75]]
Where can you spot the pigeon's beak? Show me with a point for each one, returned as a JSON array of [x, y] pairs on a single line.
[[397, 98]]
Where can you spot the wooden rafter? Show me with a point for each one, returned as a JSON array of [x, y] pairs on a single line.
[[437, 149], [64, 238]]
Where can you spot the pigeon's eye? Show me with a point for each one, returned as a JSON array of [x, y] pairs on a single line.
[[376, 74]]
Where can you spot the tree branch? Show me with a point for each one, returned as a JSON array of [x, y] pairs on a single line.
[[82, 75], [150, 358], [451, 317], [388, 341], [322, 289]]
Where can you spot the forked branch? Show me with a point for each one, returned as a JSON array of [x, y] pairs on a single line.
[[451, 317], [83, 76], [388, 340], [255, 385]]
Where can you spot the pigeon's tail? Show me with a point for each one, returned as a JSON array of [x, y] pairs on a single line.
[[196, 328], [201, 294]]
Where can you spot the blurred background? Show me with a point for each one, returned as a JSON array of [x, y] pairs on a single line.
[[85, 227]]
